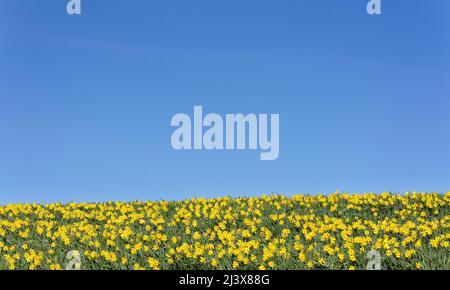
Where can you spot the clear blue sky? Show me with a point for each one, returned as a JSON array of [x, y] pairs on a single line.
[[86, 101]]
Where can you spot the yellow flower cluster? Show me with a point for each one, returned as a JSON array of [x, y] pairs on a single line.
[[336, 231]]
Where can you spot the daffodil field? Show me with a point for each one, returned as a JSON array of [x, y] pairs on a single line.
[[410, 231]]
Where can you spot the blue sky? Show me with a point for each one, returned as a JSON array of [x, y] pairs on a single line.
[[86, 101]]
